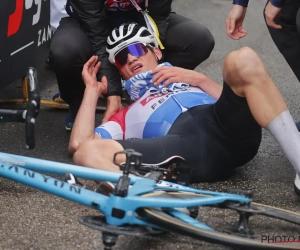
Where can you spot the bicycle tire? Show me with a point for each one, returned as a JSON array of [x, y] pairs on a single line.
[[163, 219]]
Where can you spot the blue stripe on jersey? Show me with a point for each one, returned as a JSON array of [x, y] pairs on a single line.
[[161, 120], [103, 133], [191, 99]]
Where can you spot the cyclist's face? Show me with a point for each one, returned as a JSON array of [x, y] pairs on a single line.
[[137, 65]]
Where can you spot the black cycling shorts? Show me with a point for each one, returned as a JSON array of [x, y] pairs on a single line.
[[213, 139]]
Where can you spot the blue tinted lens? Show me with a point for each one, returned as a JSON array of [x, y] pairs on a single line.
[[137, 50]]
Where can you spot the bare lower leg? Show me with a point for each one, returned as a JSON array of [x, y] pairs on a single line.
[[246, 75], [98, 153]]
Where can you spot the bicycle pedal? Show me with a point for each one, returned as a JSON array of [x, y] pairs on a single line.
[[153, 175]]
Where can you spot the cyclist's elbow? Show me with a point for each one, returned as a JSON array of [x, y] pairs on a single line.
[[73, 146]]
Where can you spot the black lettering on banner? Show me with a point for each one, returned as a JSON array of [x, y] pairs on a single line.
[[44, 35], [29, 173], [75, 189], [57, 182], [14, 167]]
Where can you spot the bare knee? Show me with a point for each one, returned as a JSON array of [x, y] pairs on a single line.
[[242, 66], [83, 152]]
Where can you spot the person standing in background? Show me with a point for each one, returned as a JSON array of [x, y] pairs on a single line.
[[281, 19]]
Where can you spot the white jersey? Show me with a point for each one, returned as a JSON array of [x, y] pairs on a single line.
[[152, 115]]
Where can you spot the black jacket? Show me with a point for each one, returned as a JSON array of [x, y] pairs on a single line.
[[98, 22]]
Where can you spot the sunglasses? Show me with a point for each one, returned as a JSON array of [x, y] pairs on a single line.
[[137, 50]]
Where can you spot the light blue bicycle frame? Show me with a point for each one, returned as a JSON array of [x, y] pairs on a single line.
[[29, 171]]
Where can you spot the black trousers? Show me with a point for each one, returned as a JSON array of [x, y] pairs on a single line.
[[287, 39], [187, 44]]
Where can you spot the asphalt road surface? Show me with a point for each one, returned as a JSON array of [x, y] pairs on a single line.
[[30, 219]]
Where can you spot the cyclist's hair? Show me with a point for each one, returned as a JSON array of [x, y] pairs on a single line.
[[128, 34]]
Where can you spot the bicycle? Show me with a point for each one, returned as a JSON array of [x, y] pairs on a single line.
[[139, 206]]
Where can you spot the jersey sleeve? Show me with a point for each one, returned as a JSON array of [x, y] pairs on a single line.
[[114, 128], [243, 3]]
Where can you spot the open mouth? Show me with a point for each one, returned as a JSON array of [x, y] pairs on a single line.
[[136, 68]]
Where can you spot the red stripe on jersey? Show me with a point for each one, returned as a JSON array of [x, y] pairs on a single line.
[[120, 119]]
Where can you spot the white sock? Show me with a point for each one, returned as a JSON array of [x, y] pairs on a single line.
[[285, 132]]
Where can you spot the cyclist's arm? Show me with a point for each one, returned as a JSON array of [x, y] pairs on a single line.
[[208, 85], [83, 128]]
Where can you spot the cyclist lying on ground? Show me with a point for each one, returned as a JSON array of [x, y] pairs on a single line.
[[214, 129]]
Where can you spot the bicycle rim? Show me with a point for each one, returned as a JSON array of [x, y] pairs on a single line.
[[172, 224]]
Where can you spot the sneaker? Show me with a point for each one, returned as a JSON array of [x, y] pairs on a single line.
[[69, 122], [105, 188], [297, 185], [57, 98]]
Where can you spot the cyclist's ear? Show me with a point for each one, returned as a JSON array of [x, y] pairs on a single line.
[[158, 53]]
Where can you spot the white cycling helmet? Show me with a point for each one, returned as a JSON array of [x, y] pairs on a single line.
[[125, 35]]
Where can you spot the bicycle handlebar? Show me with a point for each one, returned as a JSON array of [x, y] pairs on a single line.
[[28, 115], [33, 107]]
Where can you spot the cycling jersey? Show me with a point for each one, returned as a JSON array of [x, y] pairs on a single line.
[[154, 111], [98, 18]]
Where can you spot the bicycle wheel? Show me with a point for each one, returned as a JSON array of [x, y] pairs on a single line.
[[260, 239]]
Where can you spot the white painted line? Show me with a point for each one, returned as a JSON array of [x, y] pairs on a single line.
[[24, 47]]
